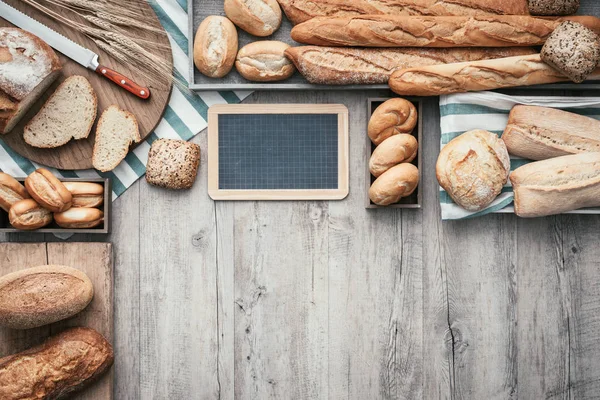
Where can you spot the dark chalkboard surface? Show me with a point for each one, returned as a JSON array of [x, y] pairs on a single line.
[[274, 152]]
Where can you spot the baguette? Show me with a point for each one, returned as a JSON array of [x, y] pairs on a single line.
[[355, 66], [473, 76], [299, 11], [538, 133], [557, 185], [399, 31]]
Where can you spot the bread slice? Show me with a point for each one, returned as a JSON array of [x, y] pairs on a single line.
[[68, 114], [116, 130]]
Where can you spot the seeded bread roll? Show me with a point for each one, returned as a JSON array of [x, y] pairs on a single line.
[[85, 194], [79, 218], [572, 49], [257, 17], [11, 191], [173, 164], [395, 183], [28, 215], [391, 118], [215, 46], [553, 7], [392, 151], [264, 61], [48, 190]]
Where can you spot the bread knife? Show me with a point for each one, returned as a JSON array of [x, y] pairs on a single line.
[[69, 48]]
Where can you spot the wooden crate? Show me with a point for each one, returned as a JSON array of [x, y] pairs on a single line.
[[104, 228], [415, 200]]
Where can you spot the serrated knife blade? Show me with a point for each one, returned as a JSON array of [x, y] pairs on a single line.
[[69, 48]]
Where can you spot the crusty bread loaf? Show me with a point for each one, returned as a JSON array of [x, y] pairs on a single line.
[[65, 363], [395, 183], [68, 114], [538, 133], [257, 17], [557, 185], [173, 164], [399, 31], [393, 117], [472, 168], [392, 151], [42, 295], [264, 61], [48, 190], [11, 191], [79, 218], [85, 194], [117, 129], [26, 214], [299, 11], [553, 7], [215, 46], [477, 75], [355, 66]]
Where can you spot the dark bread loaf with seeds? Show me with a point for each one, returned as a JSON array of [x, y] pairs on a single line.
[[553, 7], [172, 164]]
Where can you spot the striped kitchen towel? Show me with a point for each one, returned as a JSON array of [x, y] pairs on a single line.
[[185, 115], [488, 110]]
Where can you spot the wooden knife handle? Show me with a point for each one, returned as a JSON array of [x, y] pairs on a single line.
[[124, 82]]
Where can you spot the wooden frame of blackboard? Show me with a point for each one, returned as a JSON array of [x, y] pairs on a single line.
[[216, 193], [416, 199]]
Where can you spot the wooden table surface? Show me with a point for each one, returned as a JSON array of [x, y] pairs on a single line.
[[327, 300]]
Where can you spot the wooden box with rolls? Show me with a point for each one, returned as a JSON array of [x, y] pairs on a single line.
[[414, 200]]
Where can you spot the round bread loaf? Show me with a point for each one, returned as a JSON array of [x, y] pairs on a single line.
[[264, 61], [11, 191], [473, 168], [79, 218], [257, 17], [393, 150], [42, 295], [215, 46], [393, 117], [28, 215], [85, 194], [48, 191], [395, 183]]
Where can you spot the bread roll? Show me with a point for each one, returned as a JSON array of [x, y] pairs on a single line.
[[393, 117], [257, 17], [557, 185], [65, 363], [473, 168], [553, 7], [85, 194], [538, 133], [392, 151], [79, 218], [477, 75], [11, 191], [399, 31], [358, 66], [48, 190], [28, 215], [42, 295], [264, 61], [215, 46], [395, 183]]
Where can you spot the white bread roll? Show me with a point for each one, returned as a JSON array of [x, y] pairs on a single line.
[[215, 46], [79, 218], [26, 214], [395, 183], [393, 117], [473, 168], [257, 17], [264, 61], [85, 194], [392, 151], [11, 191]]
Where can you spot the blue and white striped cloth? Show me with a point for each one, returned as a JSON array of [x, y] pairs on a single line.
[[488, 110], [185, 115]]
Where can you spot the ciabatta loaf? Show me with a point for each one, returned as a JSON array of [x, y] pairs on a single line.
[[538, 133], [557, 185], [68, 114], [117, 129], [302, 10]]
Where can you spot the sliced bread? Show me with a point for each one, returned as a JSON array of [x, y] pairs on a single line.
[[116, 130], [68, 114]]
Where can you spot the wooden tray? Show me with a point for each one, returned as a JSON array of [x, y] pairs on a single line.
[[104, 228], [200, 9], [77, 154], [415, 200], [95, 259]]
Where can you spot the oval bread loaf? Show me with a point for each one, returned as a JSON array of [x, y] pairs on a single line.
[[79, 218], [28, 215], [42, 295], [11, 191], [257, 17], [391, 118], [215, 46], [395, 183], [394, 150], [264, 61], [48, 190], [85, 194], [473, 168]]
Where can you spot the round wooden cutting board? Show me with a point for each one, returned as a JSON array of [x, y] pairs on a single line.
[[77, 154]]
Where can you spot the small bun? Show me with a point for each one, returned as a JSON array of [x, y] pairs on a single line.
[[48, 191], [85, 194], [264, 61], [79, 218], [215, 46], [395, 183], [393, 150], [28, 215], [393, 117], [11, 191], [257, 17]]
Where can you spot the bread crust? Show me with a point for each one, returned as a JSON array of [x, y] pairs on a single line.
[[395, 183], [85, 194], [264, 61], [394, 150], [393, 117], [79, 218], [257, 17], [214, 57], [26, 214], [48, 190], [11, 191]]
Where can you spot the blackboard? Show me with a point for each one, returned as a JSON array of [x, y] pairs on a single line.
[[278, 152]]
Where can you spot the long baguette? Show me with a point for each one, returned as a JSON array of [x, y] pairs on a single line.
[[355, 66], [477, 75], [299, 11], [425, 31]]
